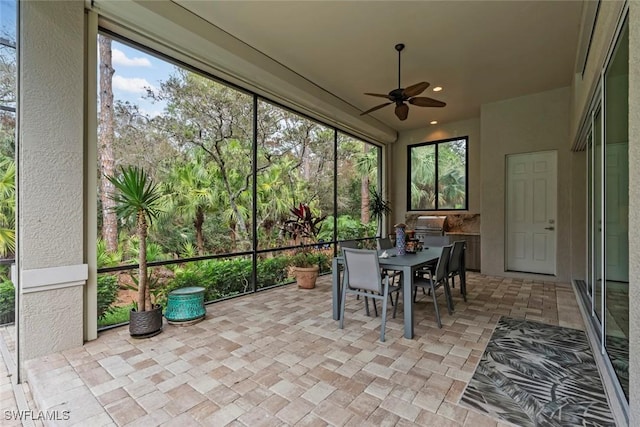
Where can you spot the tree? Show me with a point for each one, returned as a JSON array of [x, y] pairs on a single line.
[[7, 207], [423, 174], [295, 155], [138, 197], [203, 113], [367, 167], [193, 194], [106, 160], [8, 73]]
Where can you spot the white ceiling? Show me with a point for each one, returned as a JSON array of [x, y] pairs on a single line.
[[478, 51]]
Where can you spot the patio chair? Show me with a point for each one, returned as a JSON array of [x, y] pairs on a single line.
[[457, 268], [363, 278], [431, 267], [384, 243], [352, 244], [434, 281]]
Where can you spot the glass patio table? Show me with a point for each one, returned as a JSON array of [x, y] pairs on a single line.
[[408, 264]]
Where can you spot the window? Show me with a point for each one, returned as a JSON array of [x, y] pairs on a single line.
[[8, 74], [231, 166], [437, 175], [358, 168]]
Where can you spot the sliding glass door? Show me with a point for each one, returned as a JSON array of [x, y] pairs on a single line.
[[607, 144], [616, 210]]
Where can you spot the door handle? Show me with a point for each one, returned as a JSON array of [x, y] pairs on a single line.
[[549, 228]]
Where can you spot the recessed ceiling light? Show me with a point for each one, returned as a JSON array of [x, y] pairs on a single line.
[[433, 122], [437, 88]]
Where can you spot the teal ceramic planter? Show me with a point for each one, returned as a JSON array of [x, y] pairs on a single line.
[[185, 305]]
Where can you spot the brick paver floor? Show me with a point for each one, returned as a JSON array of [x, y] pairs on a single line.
[[278, 358]]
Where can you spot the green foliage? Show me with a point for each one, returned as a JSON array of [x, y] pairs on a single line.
[[378, 206], [228, 277], [107, 293], [449, 186], [200, 150], [5, 272], [7, 207], [137, 194], [348, 228], [7, 128], [188, 250], [106, 258], [303, 259], [272, 271], [138, 197], [220, 278], [155, 252], [7, 302], [115, 316]]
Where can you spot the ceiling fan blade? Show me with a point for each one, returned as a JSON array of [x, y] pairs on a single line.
[[423, 101], [402, 111], [378, 95], [377, 107], [415, 89]]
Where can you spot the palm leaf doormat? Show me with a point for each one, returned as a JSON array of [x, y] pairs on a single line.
[[533, 374]]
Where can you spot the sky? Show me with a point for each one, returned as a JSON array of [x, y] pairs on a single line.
[[134, 72], [134, 69], [8, 17]]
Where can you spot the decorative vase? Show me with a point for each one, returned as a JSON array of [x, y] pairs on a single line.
[[145, 324], [306, 276], [401, 242]]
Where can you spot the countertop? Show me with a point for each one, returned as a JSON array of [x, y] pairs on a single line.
[[462, 233]]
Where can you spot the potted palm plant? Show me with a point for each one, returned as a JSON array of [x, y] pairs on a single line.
[[138, 197], [379, 208], [303, 228]]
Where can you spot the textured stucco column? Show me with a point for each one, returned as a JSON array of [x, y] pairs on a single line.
[[634, 213], [51, 269]]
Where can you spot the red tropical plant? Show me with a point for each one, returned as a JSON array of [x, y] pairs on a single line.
[[304, 226]]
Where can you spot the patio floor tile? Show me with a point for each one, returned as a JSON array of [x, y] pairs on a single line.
[[278, 358]]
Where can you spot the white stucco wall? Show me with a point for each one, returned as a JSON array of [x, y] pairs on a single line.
[[50, 176], [398, 171], [634, 212], [530, 123]]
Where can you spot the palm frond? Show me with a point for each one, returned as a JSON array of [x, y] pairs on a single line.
[[136, 194]]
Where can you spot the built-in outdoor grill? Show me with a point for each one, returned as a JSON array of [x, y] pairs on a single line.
[[429, 226]]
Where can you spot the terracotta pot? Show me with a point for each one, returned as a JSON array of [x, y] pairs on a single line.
[[145, 324], [306, 276]]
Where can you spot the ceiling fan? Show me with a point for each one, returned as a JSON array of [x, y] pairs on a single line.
[[409, 94]]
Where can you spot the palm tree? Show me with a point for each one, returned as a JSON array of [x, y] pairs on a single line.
[[193, 194], [367, 167], [423, 173], [7, 207], [137, 196]]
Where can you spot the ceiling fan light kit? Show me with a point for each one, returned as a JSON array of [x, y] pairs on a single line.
[[401, 95]]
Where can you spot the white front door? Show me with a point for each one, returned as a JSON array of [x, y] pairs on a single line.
[[531, 212]]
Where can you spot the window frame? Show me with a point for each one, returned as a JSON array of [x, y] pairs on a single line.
[[436, 145]]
